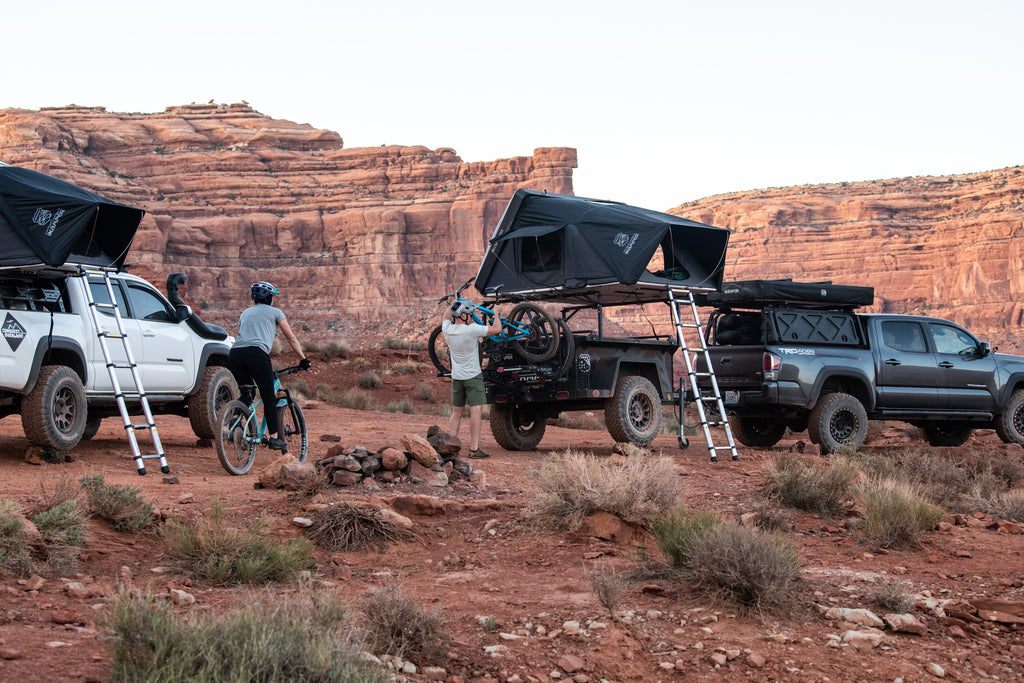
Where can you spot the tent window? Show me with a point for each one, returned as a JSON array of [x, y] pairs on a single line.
[[542, 253]]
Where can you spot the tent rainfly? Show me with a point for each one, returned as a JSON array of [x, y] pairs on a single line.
[[560, 247], [49, 222]]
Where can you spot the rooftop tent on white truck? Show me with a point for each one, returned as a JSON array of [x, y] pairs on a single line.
[[47, 221]]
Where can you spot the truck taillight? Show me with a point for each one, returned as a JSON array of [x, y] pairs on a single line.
[[770, 365]]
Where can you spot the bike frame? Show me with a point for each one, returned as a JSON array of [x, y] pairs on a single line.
[[261, 428], [518, 331]]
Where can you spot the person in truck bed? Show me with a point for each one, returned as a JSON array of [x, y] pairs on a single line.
[[249, 358], [462, 334]]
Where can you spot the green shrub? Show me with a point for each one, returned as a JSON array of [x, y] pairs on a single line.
[[812, 485], [896, 515], [369, 380], [122, 506], [404, 406], [62, 526], [14, 549], [749, 565], [399, 626], [574, 485], [361, 363], [271, 639], [220, 554]]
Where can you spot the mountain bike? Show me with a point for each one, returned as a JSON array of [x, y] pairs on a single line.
[[533, 332], [240, 430]]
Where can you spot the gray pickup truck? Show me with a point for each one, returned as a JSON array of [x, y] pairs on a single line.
[[797, 355]]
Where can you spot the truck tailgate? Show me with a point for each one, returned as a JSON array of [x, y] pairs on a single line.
[[737, 367]]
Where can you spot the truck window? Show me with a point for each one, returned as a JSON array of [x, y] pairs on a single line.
[[147, 305], [100, 296], [949, 339], [904, 336]]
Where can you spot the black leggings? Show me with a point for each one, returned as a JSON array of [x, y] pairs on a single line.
[[251, 365]]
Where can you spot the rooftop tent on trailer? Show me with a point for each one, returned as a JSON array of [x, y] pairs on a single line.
[[45, 221], [552, 246]]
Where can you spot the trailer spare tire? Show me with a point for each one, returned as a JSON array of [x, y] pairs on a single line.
[[517, 427], [838, 421], [54, 413], [633, 412]]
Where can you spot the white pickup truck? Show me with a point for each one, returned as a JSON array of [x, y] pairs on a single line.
[[52, 367]]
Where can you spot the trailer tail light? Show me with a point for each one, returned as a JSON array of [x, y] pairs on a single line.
[[770, 365], [501, 399], [562, 394]]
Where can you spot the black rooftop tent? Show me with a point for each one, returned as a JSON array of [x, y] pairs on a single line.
[[49, 222], [574, 249]]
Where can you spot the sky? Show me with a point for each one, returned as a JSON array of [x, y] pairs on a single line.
[[665, 102]]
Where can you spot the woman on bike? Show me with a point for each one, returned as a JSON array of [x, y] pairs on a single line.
[[249, 359], [462, 334]]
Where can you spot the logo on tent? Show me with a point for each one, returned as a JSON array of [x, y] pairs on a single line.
[[45, 218], [13, 332], [626, 241]]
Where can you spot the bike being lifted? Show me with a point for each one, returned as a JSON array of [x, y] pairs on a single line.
[[533, 332]]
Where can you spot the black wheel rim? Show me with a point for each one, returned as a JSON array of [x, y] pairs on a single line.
[[65, 408], [523, 421], [641, 411], [843, 425], [1018, 419]]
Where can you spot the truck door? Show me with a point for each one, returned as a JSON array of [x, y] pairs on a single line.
[[967, 378], [908, 372], [99, 377], [168, 355]]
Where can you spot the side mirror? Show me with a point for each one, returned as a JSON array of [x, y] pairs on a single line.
[[984, 349]]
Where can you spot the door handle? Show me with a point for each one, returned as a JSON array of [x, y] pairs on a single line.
[[893, 361], [148, 332], [946, 364]]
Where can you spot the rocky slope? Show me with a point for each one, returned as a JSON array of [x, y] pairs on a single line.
[[359, 239]]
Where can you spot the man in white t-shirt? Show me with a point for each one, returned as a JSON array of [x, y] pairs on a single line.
[[462, 334]]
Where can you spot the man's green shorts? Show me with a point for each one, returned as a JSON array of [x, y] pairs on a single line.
[[468, 392]]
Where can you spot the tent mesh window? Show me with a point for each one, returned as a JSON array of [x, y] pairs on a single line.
[[542, 254]]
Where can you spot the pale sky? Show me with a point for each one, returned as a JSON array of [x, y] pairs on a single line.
[[665, 102]]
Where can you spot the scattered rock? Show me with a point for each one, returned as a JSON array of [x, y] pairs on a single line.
[[393, 459], [420, 449], [303, 522], [755, 660], [905, 623], [860, 617], [935, 670], [863, 639], [570, 664]]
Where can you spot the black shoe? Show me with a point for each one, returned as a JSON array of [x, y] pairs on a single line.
[[278, 444], [478, 455]]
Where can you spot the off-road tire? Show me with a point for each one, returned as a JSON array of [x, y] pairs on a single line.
[[566, 348], [437, 349], [633, 412], [236, 454], [292, 424], [757, 432], [217, 390], [92, 426], [517, 427], [54, 413], [543, 341], [947, 434], [1010, 423], [838, 421]]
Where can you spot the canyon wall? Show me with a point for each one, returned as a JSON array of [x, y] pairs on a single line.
[[361, 241]]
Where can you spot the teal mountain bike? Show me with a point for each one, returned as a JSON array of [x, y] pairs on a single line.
[[241, 430]]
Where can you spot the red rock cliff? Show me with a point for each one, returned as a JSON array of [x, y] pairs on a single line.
[[947, 246], [361, 241]]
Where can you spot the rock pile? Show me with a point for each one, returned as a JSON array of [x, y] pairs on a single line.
[[433, 460]]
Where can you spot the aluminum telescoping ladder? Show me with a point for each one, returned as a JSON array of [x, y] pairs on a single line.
[[112, 368], [710, 408]]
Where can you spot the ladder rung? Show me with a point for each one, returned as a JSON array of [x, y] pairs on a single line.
[[99, 304], [122, 366], [112, 335]]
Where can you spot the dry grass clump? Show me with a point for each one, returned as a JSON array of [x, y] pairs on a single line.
[[14, 547], [896, 514], [573, 485], [400, 626], [370, 380], [810, 484], [220, 554], [350, 398], [425, 392], [1004, 505], [891, 597], [349, 526], [272, 638], [608, 585], [335, 349], [723, 558], [399, 344], [122, 506], [404, 367], [405, 406]]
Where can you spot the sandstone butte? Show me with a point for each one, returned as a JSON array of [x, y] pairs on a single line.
[[363, 241]]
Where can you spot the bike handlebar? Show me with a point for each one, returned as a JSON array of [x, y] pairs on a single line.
[[281, 372], [456, 293]]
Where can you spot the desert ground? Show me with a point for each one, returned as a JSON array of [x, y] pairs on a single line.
[[518, 603]]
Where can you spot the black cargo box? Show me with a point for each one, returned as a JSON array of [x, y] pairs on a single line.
[[761, 293]]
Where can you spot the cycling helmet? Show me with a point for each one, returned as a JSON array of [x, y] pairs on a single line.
[[461, 308], [263, 291]]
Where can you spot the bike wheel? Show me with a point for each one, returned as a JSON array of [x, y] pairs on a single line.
[[542, 342], [566, 349], [292, 424], [236, 438], [437, 348]]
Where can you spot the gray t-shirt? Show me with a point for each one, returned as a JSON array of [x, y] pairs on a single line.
[[257, 326], [462, 345]]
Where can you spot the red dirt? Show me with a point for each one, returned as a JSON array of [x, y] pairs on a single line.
[[524, 580]]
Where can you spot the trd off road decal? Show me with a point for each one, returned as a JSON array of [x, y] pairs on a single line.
[[13, 332]]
